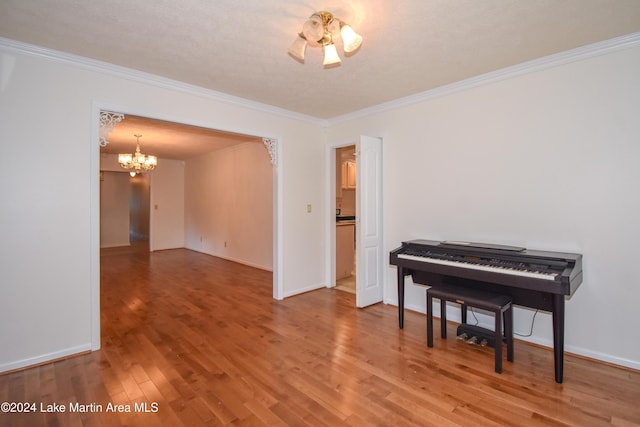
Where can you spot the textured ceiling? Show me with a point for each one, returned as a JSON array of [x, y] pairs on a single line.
[[239, 47]]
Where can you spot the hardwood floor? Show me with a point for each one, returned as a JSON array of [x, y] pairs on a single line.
[[200, 341]]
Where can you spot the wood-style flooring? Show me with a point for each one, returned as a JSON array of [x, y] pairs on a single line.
[[196, 340]]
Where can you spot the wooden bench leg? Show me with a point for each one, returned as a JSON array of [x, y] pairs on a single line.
[[429, 320], [498, 341], [501, 306]]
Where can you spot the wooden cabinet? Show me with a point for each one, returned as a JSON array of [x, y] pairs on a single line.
[[346, 180], [349, 175], [345, 250]]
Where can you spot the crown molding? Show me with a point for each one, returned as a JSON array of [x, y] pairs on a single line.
[[555, 60], [152, 79], [562, 58]]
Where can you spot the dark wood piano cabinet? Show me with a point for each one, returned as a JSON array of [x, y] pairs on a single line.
[[535, 279]]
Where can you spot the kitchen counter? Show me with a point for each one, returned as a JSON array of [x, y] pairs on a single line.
[[345, 220]]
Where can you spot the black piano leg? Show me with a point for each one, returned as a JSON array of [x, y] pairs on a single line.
[[429, 320], [558, 336], [443, 318], [401, 296]]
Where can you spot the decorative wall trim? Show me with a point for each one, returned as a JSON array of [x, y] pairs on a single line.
[[152, 79], [573, 55], [108, 120], [546, 62], [272, 148]]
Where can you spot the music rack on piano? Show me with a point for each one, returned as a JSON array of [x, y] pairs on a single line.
[[534, 279]]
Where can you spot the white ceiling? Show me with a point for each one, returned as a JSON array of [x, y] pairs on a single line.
[[239, 47]]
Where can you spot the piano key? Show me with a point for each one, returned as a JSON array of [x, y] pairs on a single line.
[[482, 267]]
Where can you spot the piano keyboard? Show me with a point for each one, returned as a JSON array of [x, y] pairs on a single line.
[[483, 267]]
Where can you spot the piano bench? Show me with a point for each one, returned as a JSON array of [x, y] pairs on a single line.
[[500, 305]]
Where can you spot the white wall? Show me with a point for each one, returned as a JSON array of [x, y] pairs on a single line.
[[115, 192], [548, 160], [50, 213], [229, 204]]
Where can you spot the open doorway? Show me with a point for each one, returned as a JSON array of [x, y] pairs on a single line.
[[115, 193], [362, 167], [267, 151], [139, 211], [124, 210], [345, 230]]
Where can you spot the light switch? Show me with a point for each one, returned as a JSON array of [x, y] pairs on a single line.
[[309, 208]]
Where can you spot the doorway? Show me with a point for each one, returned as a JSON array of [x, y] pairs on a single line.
[[271, 150], [345, 230], [369, 257], [140, 211]]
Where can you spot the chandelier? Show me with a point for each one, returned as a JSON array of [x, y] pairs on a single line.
[[320, 30], [137, 161]]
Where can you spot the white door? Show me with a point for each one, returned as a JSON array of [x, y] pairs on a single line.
[[369, 257]]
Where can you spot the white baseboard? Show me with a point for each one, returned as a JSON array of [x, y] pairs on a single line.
[[43, 358], [304, 290], [237, 260], [487, 322]]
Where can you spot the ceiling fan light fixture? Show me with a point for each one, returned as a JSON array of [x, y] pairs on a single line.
[[320, 30]]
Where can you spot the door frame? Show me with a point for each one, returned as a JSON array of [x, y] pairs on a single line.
[[330, 265], [94, 182]]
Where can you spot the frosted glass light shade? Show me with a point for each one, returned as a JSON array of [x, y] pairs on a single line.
[[313, 30], [350, 38], [298, 48], [151, 161], [125, 159], [330, 55]]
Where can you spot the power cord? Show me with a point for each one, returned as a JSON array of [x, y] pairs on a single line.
[[533, 319]]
